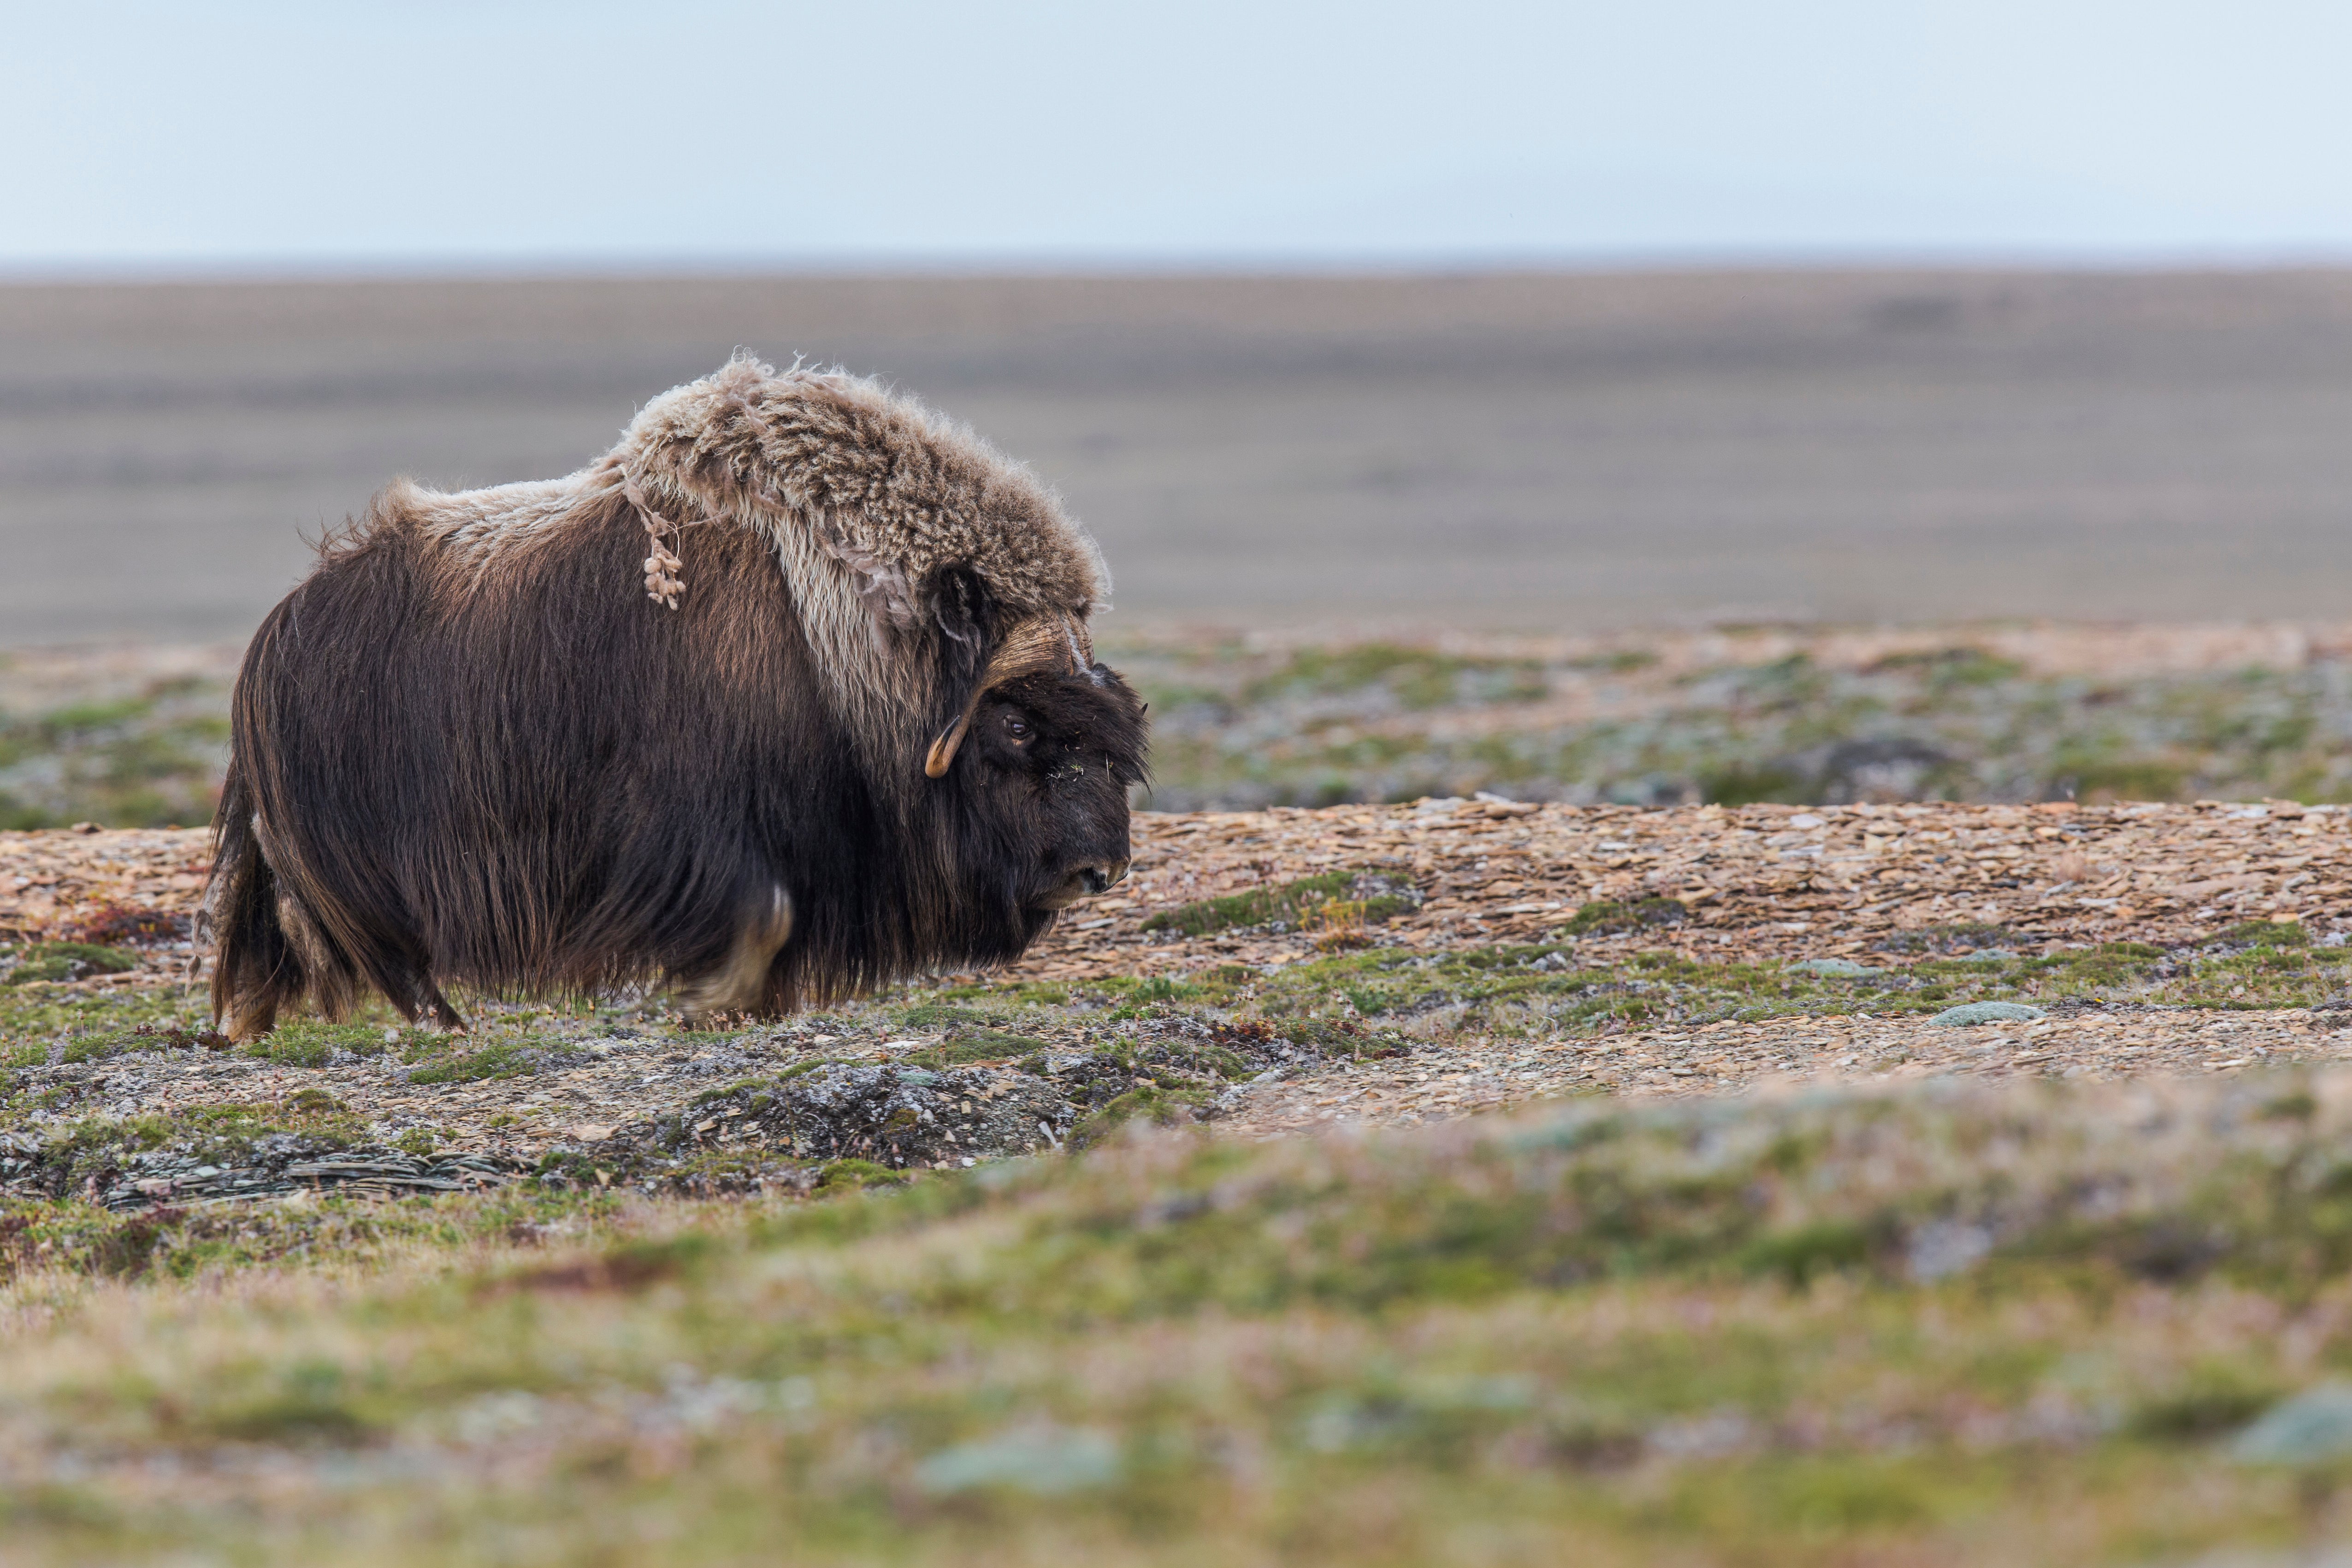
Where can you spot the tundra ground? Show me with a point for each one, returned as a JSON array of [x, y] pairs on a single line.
[[130, 736], [1442, 1182]]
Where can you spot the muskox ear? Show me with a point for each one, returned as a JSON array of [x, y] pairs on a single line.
[[965, 609], [961, 605]]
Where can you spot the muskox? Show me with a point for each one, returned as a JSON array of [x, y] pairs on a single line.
[[789, 694]]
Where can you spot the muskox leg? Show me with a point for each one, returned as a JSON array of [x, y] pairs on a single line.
[[740, 983], [420, 1000], [255, 971]]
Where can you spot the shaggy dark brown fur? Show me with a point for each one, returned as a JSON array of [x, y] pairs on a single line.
[[468, 748]]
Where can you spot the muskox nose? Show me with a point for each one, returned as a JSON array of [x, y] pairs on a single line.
[[1103, 878]]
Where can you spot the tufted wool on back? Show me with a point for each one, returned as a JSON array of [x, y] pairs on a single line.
[[867, 496]]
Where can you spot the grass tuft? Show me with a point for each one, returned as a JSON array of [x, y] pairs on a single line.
[[1298, 904], [68, 961]]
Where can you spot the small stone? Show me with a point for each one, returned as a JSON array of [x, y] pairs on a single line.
[[1837, 968], [1804, 819], [1943, 1248], [1969, 1013], [2315, 1424], [1042, 1460]]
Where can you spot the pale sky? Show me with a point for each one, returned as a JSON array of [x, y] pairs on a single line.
[[582, 133]]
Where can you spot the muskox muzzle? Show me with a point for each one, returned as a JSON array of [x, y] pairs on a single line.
[[1085, 882]]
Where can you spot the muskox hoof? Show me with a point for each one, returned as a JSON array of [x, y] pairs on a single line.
[[437, 1014], [738, 988], [250, 1018]]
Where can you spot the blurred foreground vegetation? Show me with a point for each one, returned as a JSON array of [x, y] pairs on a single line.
[[2027, 1326], [2049, 1323]]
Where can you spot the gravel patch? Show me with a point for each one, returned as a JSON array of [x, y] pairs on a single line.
[[1854, 893], [1783, 1054], [1760, 880]]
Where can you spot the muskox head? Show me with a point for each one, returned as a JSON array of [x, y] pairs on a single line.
[[1036, 763]]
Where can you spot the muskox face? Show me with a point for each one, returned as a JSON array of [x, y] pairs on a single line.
[[1048, 763]]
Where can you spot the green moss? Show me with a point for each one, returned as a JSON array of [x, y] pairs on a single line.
[[2209, 1399], [1544, 990], [1417, 677], [308, 1042], [92, 1026], [976, 1046], [1157, 1104], [1800, 1254], [1153, 998], [1604, 918], [1952, 666], [2121, 778], [1744, 783], [935, 1015], [442, 1061], [308, 1402], [68, 961], [228, 1133], [139, 762], [854, 1176], [1292, 902], [728, 1091], [2261, 934]]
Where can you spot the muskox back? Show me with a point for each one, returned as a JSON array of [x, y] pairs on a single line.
[[466, 749]]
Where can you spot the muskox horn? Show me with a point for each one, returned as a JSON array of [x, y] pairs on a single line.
[[1041, 644]]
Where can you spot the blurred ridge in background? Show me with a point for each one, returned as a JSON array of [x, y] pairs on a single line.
[[1556, 452]]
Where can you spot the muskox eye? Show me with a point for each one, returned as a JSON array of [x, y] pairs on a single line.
[[1015, 727]]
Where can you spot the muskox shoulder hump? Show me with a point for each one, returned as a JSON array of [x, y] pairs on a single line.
[[888, 493]]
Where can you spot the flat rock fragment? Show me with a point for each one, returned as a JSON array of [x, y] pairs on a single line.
[[2310, 1427], [1969, 1014]]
